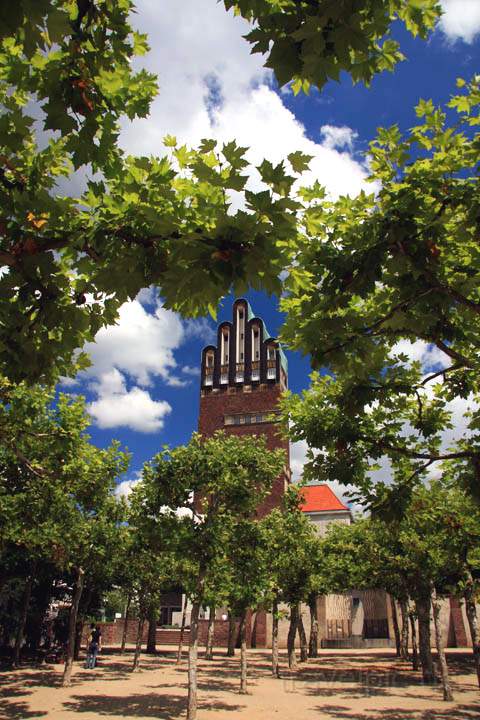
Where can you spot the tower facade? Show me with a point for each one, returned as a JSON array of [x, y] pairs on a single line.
[[242, 378]]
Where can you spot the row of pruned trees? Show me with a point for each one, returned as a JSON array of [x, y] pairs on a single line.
[[192, 521]]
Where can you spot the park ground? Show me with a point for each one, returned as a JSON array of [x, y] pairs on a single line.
[[339, 685]]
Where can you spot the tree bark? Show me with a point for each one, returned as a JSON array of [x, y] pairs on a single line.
[[313, 640], [125, 624], [152, 631], [138, 644], [447, 690], [80, 624], [72, 624], [423, 613], [396, 629], [27, 593], [231, 635], [182, 630], [275, 663], [243, 653], [292, 631], [192, 663], [404, 630], [473, 622], [414, 641], [210, 632], [302, 636]]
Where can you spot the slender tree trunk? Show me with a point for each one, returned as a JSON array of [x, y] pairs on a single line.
[[80, 624], [404, 630], [396, 629], [243, 653], [447, 690], [414, 641], [313, 640], [302, 636], [275, 663], [210, 632], [152, 631], [292, 631], [473, 622], [192, 663], [138, 644], [72, 624], [182, 630], [423, 614], [27, 593], [232, 626], [125, 624]]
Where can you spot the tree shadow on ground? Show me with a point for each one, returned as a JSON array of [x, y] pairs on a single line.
[[165, 707], [461, 712], [18, 711]]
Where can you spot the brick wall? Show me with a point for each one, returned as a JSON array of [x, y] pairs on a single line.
[[112, 633], [213, 407]]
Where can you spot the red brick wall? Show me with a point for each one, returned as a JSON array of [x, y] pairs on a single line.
[[112, 633], [213, 407], [460, 634]]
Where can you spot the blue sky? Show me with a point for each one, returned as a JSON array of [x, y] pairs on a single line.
[[143, 388]]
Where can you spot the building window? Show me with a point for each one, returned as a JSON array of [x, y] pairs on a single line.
[[251, 419]]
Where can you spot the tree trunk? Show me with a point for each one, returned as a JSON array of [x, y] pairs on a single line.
[[27, 592], [243, 653], [152, 631], [232, 626], [473, 623], [302, 636], [423, 614], [125, 624], [72, 624], [210, 632], [192, 663], [447, 690], [292, 632], [414, 641], [275, 663], [182, 630], [138, 644], [404, 630], [80, 624], [396, 629], [313, 640]]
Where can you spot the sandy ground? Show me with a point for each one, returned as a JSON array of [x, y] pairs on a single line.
[[349, 684]]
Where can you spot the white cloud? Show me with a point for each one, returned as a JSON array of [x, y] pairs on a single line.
[[429, 355], [211, 86], [338, 137], [124, 488], [140, 344], [190, 370], [460, 19], [118, 407], [200, 328]]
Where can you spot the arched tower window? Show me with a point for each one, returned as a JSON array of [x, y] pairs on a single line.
[[209, 367], [271, 362], [224, 351], [240, 359], [255, 344]]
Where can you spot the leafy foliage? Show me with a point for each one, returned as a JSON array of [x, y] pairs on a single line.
[[402, 265], [309, 42]]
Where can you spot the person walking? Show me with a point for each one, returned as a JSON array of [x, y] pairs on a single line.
[[94, 645]]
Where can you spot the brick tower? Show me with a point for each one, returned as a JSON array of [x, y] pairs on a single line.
[[242, 378]]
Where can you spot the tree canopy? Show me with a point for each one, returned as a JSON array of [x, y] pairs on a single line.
[[309, 42]]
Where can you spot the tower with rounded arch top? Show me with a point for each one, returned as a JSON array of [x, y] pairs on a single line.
[[242, 378]]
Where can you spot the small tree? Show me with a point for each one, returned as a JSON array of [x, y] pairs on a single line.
[[213, 482]]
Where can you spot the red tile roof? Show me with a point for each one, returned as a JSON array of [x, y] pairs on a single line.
[[320, 498]]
